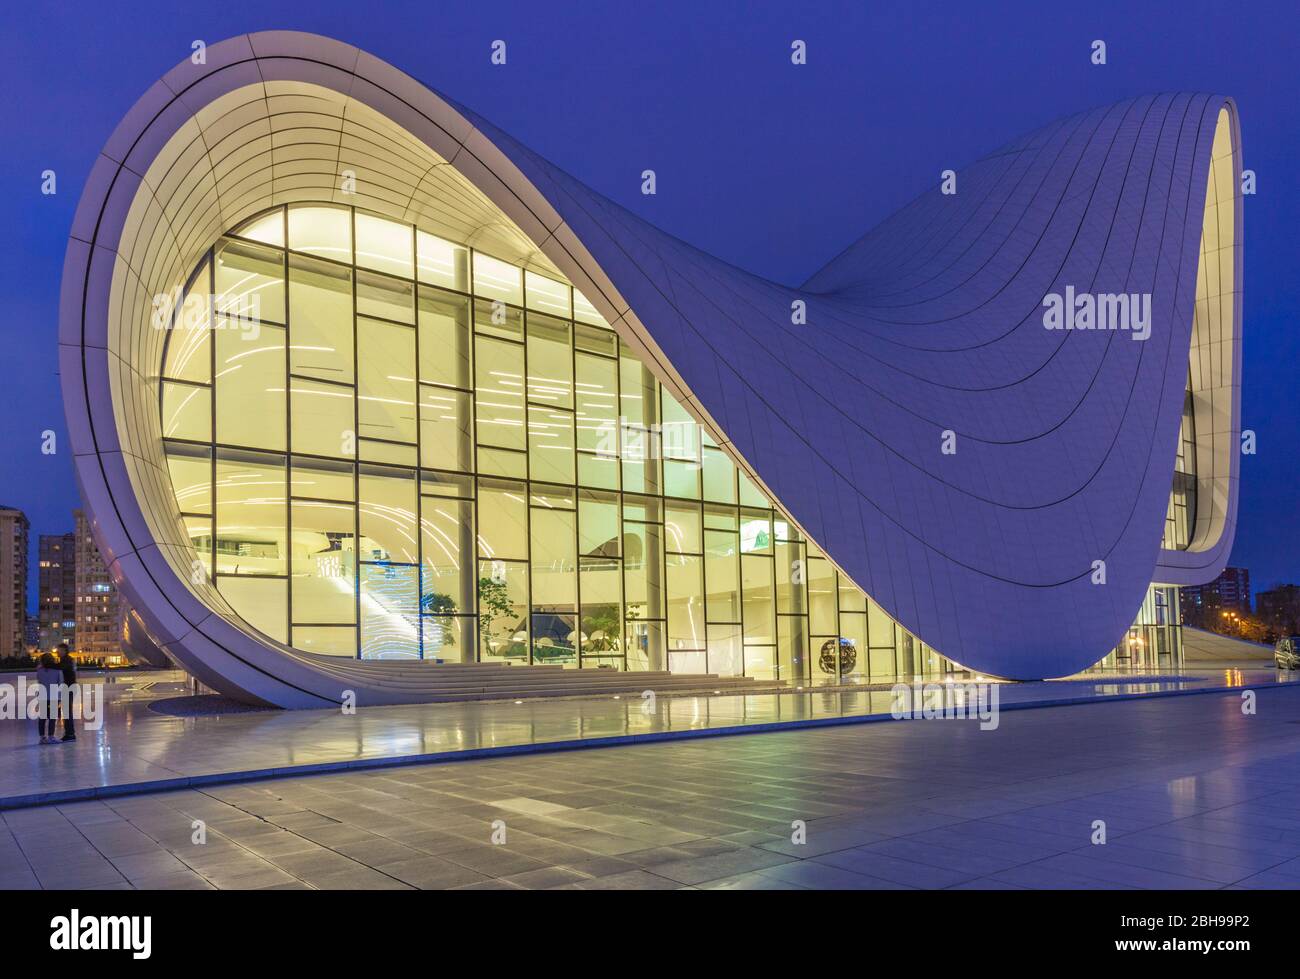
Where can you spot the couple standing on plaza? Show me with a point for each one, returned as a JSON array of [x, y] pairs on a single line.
[[52, 674]]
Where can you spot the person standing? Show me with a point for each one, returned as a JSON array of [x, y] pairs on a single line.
[[68, 669], [48, 676]]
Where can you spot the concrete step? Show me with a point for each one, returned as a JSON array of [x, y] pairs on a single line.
[[397, 666], [626, 682], [437, 675], [565, 692], [417, 680]]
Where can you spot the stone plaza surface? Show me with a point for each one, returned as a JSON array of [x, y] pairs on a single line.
[[1193, 792], [138, 748]]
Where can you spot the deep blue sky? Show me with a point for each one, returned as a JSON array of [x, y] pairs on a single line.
[[773, 167]]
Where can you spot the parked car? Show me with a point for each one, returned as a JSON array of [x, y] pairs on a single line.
[[1286, 653]]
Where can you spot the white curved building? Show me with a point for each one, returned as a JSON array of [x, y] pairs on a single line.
[[359, 388]]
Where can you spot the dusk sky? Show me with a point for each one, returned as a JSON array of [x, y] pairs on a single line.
[[773, 167]]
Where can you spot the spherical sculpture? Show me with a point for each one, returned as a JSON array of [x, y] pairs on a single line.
[[848, 656]]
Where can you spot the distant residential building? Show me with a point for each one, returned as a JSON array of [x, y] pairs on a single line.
[[14, 529], [32, 635], [56, 591], [1279, 609], [1230, 592], [99, 612]]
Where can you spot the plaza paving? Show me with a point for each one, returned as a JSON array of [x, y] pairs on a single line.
[[139, 748], [1193, 794]]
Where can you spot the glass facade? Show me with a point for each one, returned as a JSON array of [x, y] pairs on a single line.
[[1155, 640], [390, 446], [1180, 518]]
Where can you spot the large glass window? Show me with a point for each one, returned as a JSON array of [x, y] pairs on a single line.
[[548, 296], [680, 442], [322, 479], [186, 412], [324, 562], [503, 520], [495, 279], [499, 393], [722, 575], [550, 361], [445, 350], [388, 515], [188, 355], [191, 472], [385, 297], [643, 570], [447, 576], [584, 311], [389, 564], [385, 381], [250, 388], [385, 246], [323, 417], [442, 263], [321, 230], [446, 428], [447, 541], [553, 555], [390, 621], [823, 614], [759, 600], [685, 603], [597, 402], [261, 602], [249, 282], [503, 610], [550, 444], [387, 444], [252, 514], [320, 314]]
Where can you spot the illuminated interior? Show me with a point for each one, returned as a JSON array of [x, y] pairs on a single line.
[[390, 445]]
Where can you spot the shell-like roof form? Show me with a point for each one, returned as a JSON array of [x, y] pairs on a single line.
[[929, 330], [1000, 488]]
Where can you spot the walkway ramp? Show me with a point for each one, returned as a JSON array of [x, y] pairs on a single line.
[[1202, 648]]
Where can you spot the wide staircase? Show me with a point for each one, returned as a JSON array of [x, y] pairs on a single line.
[[414, 681]]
